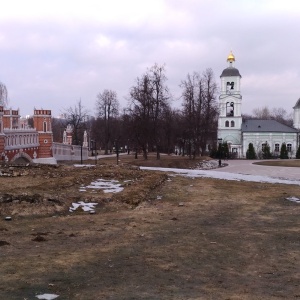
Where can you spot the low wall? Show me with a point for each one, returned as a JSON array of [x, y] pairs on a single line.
[[69, 152]]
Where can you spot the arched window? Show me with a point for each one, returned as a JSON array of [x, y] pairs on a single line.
[[229, 109], [227, 124], [229, 86], [276, 147], [232, 123], [289, 147]]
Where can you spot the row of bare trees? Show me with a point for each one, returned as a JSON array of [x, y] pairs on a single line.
[[149, 123]]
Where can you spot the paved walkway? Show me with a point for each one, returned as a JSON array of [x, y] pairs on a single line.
[[247, 167]]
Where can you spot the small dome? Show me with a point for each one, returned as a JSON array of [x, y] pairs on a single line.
[[230, 57], [229, 72]]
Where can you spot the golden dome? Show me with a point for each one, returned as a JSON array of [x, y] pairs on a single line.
[[230, 57]]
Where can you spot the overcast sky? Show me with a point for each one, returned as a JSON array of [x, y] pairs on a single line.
[[53, 53]]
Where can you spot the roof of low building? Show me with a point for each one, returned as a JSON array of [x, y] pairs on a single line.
[[266, 126], [230, 71]]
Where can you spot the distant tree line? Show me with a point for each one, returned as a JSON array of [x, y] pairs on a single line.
[[265, 113]]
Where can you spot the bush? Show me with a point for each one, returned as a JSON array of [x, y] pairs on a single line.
[[283, 152], [266, 153], [250, 154], [298, 153]]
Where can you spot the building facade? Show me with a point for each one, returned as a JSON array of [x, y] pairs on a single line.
[[20, 142], [239, 133]]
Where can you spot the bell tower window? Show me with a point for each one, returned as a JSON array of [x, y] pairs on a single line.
[[229, 109], [229, 87]]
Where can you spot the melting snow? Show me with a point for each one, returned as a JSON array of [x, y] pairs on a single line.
[[293, 199], [47, 296], [108, 186], [89, 207], [81, 166], [223, 175]]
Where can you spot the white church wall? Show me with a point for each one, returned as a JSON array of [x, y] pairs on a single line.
[[272, 138]]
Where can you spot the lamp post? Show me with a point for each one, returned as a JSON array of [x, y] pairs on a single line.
[[220, 151], [117, 150], [81, 153], [92, 146], [95, 152]]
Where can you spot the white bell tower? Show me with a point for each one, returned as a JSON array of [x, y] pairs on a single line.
[[230, 102]]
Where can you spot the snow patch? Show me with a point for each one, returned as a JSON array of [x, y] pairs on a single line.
[[108, 186], [293, 199], [81, 166], [47, 296], [222, 175], [88, 207]]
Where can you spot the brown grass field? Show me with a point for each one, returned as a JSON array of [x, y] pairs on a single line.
[[162, 237]]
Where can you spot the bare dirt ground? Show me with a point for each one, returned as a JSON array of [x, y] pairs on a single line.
[[162, 237]]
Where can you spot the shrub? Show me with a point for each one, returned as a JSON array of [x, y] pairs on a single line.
[[250, 154], [266, 153], [283, 152]]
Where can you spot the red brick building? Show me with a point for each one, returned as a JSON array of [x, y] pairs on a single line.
[[20, 142]]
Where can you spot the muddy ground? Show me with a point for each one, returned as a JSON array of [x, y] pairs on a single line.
[[162, 237]]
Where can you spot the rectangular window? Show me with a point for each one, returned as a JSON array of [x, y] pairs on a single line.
[[276, 147], [289, 147]]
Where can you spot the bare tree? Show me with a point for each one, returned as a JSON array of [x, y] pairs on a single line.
[[278, 113], [149, 97], [140, 108], [262, 113], [108, 109], [192, 103], [160, 103], [199, 111], [77, 117], [210, 109], [58, 126]]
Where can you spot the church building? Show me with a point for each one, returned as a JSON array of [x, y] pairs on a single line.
[[239, 133]]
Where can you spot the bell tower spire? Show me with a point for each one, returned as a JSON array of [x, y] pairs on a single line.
[[230, 59]]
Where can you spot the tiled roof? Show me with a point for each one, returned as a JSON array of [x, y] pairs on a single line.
[[266, 126]]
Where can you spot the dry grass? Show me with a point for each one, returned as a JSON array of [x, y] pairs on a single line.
[[204, 239], [166, 161]]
